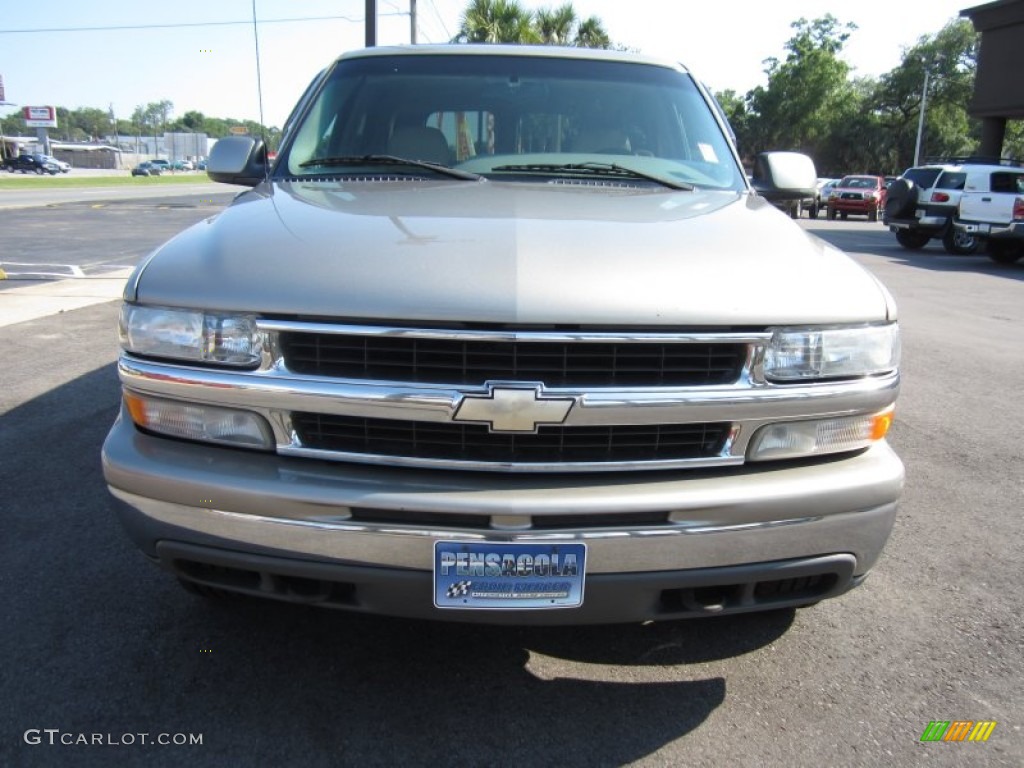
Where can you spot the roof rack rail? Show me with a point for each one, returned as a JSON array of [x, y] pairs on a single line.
[[974, 160]]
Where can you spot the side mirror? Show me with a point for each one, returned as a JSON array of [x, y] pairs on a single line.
[[238, 160], [784, 176]]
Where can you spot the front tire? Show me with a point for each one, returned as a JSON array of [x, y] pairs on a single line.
[[1005, 253], [873, 214], [912, 241], [959, 243]]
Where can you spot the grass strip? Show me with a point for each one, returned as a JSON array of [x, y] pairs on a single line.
[[72, 182]]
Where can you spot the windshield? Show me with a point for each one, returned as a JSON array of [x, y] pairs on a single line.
[[515, 118], [923, 177], [859, 182]]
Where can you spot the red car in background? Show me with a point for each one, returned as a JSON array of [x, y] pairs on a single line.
[[862, 195]]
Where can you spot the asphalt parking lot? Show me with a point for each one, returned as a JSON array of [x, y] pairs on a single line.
[[97, 641]]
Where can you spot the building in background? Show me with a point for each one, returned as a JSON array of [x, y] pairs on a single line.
[[998, 85]]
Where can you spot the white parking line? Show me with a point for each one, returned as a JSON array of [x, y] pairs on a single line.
[[42, 299]]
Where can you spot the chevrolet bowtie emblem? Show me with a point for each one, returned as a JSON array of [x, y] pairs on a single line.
[[514, 408]]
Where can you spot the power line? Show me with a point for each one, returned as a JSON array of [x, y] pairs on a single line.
[[447, 34], [353, 19]]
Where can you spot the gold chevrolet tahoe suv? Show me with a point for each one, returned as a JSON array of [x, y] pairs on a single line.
[[503, 334]]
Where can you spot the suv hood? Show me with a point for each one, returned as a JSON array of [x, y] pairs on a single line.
[[508, 252]]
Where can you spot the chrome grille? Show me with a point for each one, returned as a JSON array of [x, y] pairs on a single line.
[[474, 443], [473, 361]]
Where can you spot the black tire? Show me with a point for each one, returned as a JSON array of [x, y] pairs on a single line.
[[958, 242], [901, 200], [1005, 253], [873, 214], [40, 171], [812, 212], [912, 241], [842, 215], [831, 215]]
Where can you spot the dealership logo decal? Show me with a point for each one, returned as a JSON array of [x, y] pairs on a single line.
[[958, 730], [514, 408]]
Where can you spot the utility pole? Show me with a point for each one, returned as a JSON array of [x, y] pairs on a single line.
[[371, 23], [920, 119], [412, 22]]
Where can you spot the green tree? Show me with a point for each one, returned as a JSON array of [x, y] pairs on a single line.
[[591, 34], [193, 121], [90, 122], [950, 59], [735, 108], [507, 21], [496, 21], [1013, 144], [556, 26], [807, 93]]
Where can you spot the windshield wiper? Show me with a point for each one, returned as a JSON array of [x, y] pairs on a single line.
[[454, 173], [599, 169]]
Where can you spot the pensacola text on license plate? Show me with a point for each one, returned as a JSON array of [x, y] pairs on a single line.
[[497, 575]]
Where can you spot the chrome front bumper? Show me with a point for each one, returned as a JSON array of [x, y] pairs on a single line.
[[271, 505]]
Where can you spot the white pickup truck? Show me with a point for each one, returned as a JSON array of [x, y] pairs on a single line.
[[992, 209]]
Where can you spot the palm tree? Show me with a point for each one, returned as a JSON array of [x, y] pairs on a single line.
[[506, 21], [555, 27], [496, 21], [591, 34]]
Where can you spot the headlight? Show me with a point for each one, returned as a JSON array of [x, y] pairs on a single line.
[[800, 354], [194, 421], [798, 439], [184, 334]]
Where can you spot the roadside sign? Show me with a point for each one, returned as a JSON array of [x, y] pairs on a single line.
[[40, 117]]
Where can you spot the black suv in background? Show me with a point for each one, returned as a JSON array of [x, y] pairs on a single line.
[[921, 205], [32, 163]]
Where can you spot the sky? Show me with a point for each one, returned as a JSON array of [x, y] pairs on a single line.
[[210, 64]]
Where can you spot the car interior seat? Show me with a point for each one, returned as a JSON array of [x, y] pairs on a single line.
[[420, 142], [603, 141]]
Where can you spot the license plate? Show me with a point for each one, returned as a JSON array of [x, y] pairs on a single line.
[[493, 575]]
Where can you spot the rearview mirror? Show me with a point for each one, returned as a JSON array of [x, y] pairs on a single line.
[[238, 160], [784, 176]]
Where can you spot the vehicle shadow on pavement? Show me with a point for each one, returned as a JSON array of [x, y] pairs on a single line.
[[98, 641], [932, 257], [380, 690], [940, 261]]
